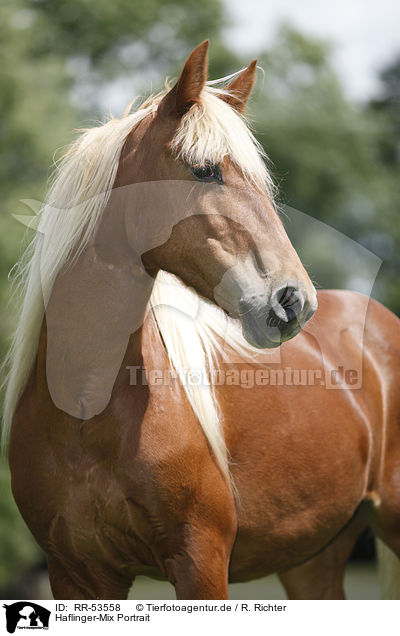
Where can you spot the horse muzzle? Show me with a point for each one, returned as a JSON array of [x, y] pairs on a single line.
[[266, 326]]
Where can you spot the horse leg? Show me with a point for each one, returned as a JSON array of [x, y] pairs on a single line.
[[69, 582], [321, 577], [200, 547], [200, 569], [385, 512], [386, 525]]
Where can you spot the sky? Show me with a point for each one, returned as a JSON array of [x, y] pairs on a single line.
[[366, 33]]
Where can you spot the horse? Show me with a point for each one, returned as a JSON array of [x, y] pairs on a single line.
[[160, 254]]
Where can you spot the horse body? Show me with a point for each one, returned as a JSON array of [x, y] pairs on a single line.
[[136, 491], [116, 475]]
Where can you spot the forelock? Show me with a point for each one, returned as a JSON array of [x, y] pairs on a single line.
[[212, 130]]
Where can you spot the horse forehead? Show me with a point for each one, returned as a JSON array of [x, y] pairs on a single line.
[[150, 141]]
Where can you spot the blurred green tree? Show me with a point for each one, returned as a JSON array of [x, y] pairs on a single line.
[[388, 104]]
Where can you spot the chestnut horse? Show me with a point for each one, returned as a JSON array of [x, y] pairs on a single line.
[[159, 251]]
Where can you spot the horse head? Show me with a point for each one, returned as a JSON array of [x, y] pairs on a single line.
[[206, 210]]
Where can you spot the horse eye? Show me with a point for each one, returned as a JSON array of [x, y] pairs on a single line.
[[208, 173]]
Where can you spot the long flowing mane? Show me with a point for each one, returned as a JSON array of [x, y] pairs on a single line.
[[80, 190]]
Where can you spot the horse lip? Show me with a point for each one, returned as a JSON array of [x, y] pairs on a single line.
[[264, 343], [258, 335], [255, 335]]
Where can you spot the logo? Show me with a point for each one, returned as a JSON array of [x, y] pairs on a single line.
[[26, 615]]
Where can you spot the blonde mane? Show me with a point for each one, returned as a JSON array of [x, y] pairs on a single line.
[[80, 190]]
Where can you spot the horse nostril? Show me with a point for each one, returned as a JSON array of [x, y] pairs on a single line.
[[289, 303]]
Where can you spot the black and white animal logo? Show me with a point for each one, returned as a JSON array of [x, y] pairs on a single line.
[[26, 615]]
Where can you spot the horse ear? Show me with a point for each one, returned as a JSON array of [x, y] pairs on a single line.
[[186, 91], [240, 88]]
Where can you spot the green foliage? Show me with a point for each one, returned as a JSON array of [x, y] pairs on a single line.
[[388, 104], [17, 549], [98, 29]]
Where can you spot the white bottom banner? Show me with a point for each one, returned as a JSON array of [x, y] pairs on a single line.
[[149, 617]]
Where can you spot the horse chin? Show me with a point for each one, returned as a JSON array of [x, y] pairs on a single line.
[[258, 339], [261, 339]]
